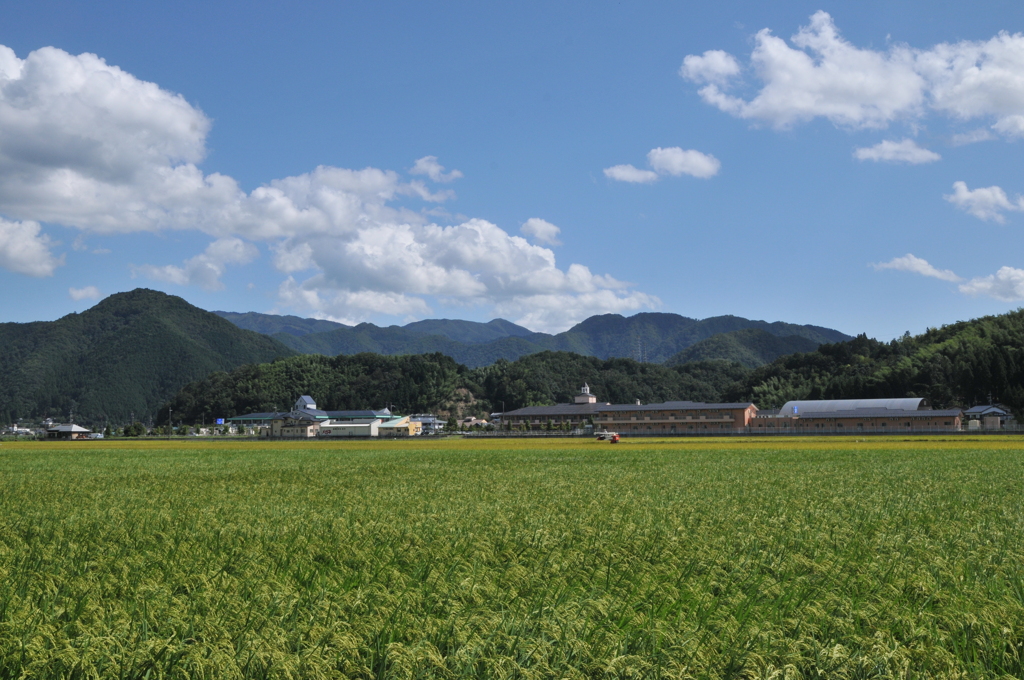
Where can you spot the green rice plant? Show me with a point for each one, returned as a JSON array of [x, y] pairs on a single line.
[[513, 559]]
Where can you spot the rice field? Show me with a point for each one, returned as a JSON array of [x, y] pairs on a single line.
[[513, 559]]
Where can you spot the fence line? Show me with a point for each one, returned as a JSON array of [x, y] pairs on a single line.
[[750, 432]]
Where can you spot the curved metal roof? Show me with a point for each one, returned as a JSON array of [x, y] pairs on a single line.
[[800, 408]]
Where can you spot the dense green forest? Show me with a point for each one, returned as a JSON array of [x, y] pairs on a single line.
[[128, 354], [957, 365], [411, 383], [962, 364], [750, 347], [419, 383]]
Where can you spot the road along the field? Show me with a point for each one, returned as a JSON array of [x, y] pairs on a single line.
[[515, 558]]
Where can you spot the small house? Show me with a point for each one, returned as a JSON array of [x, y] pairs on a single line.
[[70, 431]]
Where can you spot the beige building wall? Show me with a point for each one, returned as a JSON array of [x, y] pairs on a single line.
[[895, 424]]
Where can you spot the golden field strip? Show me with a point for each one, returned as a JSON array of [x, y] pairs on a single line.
[[554, 558]]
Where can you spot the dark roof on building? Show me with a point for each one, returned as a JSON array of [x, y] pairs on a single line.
[[986, 408], [677, 406], [589, 409], [302, 415], [556, 410], [315, 414], [358, 413], [68, 428], [269, 415]]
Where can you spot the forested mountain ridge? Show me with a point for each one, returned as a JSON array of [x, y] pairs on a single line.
[[269, 324], [750, 347], [435, 383], [958, 365], [652, 337], [126, 355]]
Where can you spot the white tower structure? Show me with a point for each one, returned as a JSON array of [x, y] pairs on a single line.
[[585, 397]]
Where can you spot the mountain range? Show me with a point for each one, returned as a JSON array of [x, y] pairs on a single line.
[[125, 356], [132, 352], [647, 337], [958, 365]]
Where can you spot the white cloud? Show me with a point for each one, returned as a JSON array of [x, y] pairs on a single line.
[[823, 75], [542, 231], [714, 66], [24, 250], [1011, 126], [668, 161], [988, 203], [972, 137], [628, 173], [676, 161], [86, 293], [826, 76], [429, 166], [916, 265], [905, 151], [552, 313], [346, 307], [388, 268], [89, 146], [1006, 284], [205, 269]]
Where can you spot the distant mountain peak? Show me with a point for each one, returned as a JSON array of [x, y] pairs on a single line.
[[653, 337]]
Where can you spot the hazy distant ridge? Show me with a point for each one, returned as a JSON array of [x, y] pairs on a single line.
[[653, 337]]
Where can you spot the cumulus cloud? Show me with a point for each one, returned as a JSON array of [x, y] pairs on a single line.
[[86, 293], [905, 151], [476, 262], [1007, 284], [542, 231], [714, 66], [628, 173], [972, 137], [345, 306], [87, 145], [204, 269], [822, 75], [916, 265], [988, 203], [676, 161], [669, 161], [24, 250], [429, 166], [554, 313]]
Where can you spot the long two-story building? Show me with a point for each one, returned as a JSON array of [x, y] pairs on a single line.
[[670, 417], [689, 417]]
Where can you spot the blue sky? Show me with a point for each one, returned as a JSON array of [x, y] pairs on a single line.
[[856, 166]]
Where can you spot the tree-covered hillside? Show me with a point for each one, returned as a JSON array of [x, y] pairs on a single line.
[[961, 364], [124, 356], [958, 365], [410, 384], [435, 383], [751, 347], [556, 377]]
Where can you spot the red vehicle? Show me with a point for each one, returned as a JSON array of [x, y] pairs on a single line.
[[614, 439]]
